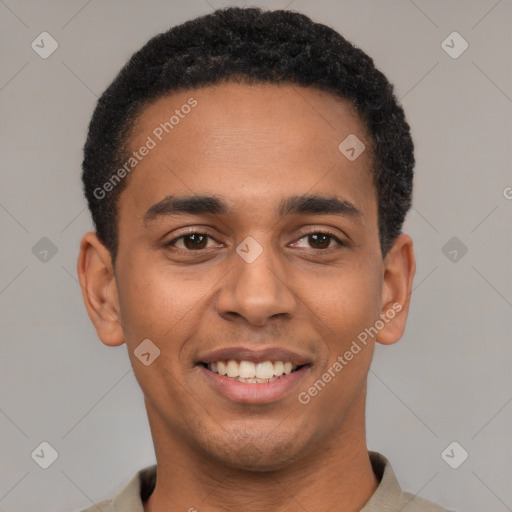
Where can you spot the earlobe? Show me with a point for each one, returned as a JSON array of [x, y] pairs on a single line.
[[99, 289], [399, 271]]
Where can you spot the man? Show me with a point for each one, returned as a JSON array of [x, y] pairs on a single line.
[[248, 174]]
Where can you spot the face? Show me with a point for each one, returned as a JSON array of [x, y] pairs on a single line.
[[249, 244]]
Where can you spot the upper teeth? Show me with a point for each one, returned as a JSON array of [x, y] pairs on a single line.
[[250, 370]]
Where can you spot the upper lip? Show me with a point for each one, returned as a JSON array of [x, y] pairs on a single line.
[[256, 355]]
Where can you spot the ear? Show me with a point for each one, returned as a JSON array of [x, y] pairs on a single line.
[[99, 289], [399, 271]]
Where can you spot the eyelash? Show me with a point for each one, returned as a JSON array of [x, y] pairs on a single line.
[[303, 235]]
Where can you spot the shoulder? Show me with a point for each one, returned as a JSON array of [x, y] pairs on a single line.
[[389, 496], [131, 497], [103, 506], [411, 503]]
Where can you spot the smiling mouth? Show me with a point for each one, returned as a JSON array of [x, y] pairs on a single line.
[[250, 372]]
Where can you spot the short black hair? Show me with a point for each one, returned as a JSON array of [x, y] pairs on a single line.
[[250, 45]]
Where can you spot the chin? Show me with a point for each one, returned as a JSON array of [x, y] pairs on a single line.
[[245, 451]]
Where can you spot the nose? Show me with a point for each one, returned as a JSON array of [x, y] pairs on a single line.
[[256, 289]]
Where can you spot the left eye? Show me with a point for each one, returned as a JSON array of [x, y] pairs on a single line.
[[320, 240], [191, 241]]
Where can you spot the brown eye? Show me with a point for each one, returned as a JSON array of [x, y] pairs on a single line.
[[191, 242], [319, 240], [195, 241]]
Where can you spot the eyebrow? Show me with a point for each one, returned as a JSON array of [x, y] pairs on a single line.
[[215, 205]]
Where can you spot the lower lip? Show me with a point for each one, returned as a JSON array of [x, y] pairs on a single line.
[[254, 393]]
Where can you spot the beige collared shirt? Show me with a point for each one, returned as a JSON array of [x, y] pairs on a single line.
[[388, 496]]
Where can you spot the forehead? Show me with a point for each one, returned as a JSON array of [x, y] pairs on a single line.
[[255, 142]]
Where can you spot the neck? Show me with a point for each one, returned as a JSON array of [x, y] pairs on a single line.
[[336, 474]]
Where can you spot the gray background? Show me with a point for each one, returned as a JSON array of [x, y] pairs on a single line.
[[447, 380]]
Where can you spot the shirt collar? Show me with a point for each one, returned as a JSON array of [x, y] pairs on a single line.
[[386, 498]]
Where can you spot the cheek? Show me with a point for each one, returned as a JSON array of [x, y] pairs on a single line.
[[155, 301], [352, 305], [344, 313]]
